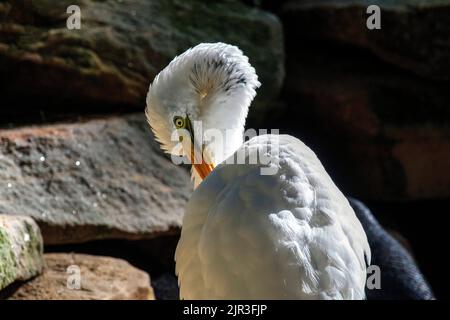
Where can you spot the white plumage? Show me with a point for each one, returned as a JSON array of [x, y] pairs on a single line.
[[291, 235]]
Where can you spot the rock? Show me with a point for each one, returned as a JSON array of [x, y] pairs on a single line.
[[20, 249], [414, 33], [101, 278], [383, 133], [166, 287], [120, 47], [99, 179]]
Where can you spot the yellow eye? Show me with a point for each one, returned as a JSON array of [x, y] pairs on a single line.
[[179, 122]]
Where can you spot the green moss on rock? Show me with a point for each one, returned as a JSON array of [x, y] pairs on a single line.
[[21, 250], [7, 270]]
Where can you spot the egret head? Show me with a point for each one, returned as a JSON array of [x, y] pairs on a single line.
[[208, 88]]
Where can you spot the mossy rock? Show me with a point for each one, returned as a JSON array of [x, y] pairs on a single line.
[[7, 272], [120, 47], [21, 249]]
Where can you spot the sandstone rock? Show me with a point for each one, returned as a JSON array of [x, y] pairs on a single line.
[[121, 46], [99, 179], [414, 33], [101, 278], [383, 133], [20, 249]]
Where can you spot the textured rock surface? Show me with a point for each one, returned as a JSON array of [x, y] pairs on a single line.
[[121, 46], [99, 179], [102, 278], [414, 33], [386, 132], [20, 249]]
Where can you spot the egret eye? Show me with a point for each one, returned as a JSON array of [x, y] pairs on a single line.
[[179, 122]]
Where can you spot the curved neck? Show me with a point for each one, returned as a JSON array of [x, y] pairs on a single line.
[[213, 84]]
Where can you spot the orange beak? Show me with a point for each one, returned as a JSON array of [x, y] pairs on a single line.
[[203, 169], [204, 166]]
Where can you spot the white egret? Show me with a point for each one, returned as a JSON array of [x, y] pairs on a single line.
[[288, 235]]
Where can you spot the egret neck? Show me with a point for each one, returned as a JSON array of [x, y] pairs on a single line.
[[195, 150]]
